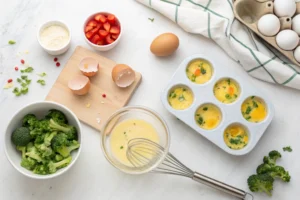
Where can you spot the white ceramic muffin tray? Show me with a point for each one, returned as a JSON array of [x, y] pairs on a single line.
[[231, 113]]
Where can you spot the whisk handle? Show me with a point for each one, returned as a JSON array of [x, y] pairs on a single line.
[[219, 185]]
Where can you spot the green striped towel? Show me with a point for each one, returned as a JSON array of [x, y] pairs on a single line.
[[215, 19]]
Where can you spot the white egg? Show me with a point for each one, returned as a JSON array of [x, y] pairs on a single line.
[[297, 54], [296, 24], [287, 40], [268, 25], [284, 8]]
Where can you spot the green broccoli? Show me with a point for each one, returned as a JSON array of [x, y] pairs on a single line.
[[261, 183], [39, 139], [62, 145], [32, 152], [58, 157], [41, 127], [69, 130], [271, 159], [23, 150], [274, 171], [28, 163], [57, 116], [53, 167], [21, 136], [29, 120], [49, 137], [44, 150]]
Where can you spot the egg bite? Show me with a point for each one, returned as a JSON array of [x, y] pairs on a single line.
[[180, 98], [208, 116], [199, 71], [254, 109], [227, 90], [236, 136]]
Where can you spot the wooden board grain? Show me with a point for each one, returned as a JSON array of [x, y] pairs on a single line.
[[100, 108]]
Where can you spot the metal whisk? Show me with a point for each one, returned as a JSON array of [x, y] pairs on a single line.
[[143, 153]]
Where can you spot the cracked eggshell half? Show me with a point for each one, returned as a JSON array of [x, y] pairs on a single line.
[[123, 75], [287, 40], [89, 66], [79, 85]]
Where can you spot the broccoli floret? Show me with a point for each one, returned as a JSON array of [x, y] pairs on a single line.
[[70, 131], [41, 127], [63, 146], [39, 139], [58, 157], [261, 183], [21, 136], [57, 116], [28, 163], [48, 138], [23, 150], [44, 150], [279, 172], [32, 152], [41, 169], [271, 159], [29, 120], [53, 167]]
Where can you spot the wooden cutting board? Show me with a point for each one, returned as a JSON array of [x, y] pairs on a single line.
[[92, 108]]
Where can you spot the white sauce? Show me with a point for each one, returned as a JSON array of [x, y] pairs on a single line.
[[54, 37]]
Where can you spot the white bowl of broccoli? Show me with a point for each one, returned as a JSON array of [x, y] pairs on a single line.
[[43, 140]]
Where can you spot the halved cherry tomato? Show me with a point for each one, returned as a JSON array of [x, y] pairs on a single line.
[[106, 26], [114, 36], [92, 23], [197, 72], [111, 19], [115, 30], [103, 33], [101, 42], [231, 90], [108, 39], [102, 19], [95, 39], [88, 28]]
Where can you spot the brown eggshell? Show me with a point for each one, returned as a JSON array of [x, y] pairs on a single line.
[[164, 44], [80, 85], [123, 75], [89, 66]]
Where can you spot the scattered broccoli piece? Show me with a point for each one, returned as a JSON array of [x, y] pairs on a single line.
[[63, 146], [32, 152], [11, 42], [29, 120], [21, 136], [42, 74], [41, 81], [271, 159], [57, 116], [261, 183], [28, 163], [274, 171], [27, 70], [288, 149], [70, 131], [23, 150]]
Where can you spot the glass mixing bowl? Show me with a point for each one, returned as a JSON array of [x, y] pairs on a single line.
[[140, 113]]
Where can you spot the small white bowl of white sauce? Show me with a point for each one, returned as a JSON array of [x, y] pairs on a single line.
[[54, 37]]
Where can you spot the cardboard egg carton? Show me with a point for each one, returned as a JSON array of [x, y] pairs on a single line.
[[250, 11]]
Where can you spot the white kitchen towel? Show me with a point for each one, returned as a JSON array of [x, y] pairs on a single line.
[[215, 19]]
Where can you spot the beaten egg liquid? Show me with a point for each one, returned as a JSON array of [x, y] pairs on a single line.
[[126, 131]]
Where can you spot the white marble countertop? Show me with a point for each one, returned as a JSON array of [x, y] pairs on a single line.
[[92, 177]]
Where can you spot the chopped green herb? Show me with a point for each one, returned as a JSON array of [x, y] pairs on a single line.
[[248, 110], [228, 81], [252, 97], [235, 95], [235, 141], [42, 82], [288, 149], [181, 98], [174, 95], [151, 19], [27, 70], [42, 74], [249, 117], [224, 87], [184, 89], [193, 78], [255, 105], [227, 96], [121, 147], [203, 71], [205, 108], [201, 121], [11, 42]]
